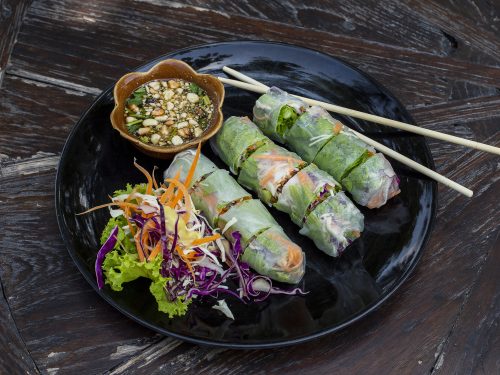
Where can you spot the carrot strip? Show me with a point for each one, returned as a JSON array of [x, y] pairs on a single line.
[[155, 184], [190, 174], [277, 157], [203, 240], [188, 264], [155, 251], [124, 204], [149, 188], [182, 193], [167, 195], [139, 249]]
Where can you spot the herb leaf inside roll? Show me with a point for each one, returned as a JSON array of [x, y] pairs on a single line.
[[276, 111]]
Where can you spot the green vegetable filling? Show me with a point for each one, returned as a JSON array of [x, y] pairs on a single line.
[[367, 154], [286, 119]]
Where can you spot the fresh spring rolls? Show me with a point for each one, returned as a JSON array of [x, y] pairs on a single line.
[[215, 193], [182, 162], [250, 218], [276, 111], [267, 170], [333, 224], [235, 143], [342, 153], [312, 130], [285, 180], [266, 249], [373, 182], [222, 201], [302, 190], [320, 139]]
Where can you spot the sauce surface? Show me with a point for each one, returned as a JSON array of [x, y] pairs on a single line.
[[168, 112]]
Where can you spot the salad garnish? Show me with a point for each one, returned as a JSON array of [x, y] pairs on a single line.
[[155, 232]]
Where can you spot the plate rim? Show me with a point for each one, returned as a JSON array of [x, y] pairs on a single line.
[[369, 309]]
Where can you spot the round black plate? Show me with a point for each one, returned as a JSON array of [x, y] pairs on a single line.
[[96, 161]]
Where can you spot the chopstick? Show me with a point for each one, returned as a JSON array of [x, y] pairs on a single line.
[[260, 88], [377, 119]]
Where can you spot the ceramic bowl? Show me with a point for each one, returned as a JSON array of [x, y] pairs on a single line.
[[167, 69]]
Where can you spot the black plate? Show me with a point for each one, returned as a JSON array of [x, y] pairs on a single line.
[[96, 161]]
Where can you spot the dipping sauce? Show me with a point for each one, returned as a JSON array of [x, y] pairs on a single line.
[[168, 112]]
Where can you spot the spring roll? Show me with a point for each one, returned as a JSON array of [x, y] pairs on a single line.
[[312, 130], [272, 254], [265, 255], [182, 162], [276, 111], [249, 218], [268, 169], [215, 193], [373, 182], [236, 141], [342, 153], [300, 192], [334, 224]]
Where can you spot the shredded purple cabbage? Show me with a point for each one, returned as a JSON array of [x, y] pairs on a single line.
[[101, 255]]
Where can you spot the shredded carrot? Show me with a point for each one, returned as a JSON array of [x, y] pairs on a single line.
[[167, 195], [124, 204], [149, 188], [155, 251], [304, 178], [184, 258], [277, 157], [268, 177], [155, 184], [182, 193], [203, 240], [337, 127], [139, 250], [192, 168]]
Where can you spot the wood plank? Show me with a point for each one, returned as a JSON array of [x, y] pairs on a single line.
[[15, 357], [52, 34], [473, 346], [11, 17], [383, 21], [29, 109]]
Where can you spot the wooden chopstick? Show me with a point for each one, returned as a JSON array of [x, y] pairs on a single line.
[[377, 119], [261, 89]]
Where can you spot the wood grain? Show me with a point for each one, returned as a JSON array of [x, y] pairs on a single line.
[[440, 58], [416, 76], [15, 357], [11, 16]]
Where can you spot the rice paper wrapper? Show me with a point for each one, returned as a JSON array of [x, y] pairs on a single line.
[[334, 224], [215, 192], [267, 169], [373, 182], [312, 130], [341, 153], [274, 255], [251, 219], [237, 138], [276, 111], [302, 190], [184, 160]]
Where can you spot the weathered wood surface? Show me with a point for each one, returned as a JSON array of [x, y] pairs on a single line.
[[441, 58]]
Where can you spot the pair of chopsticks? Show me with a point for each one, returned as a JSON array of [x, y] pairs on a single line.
[[247, 83]]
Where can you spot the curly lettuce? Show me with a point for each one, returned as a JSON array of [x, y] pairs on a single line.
[[122, 265]]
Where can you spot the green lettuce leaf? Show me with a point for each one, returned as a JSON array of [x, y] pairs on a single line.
[[123, 239], [140, 188], [122, 268]]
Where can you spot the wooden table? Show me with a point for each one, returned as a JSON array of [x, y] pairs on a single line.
[[441, 58]]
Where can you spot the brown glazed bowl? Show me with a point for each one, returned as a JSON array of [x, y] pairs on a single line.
[[167, 69]]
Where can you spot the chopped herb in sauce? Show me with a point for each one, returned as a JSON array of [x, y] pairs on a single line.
[[166, 113]]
